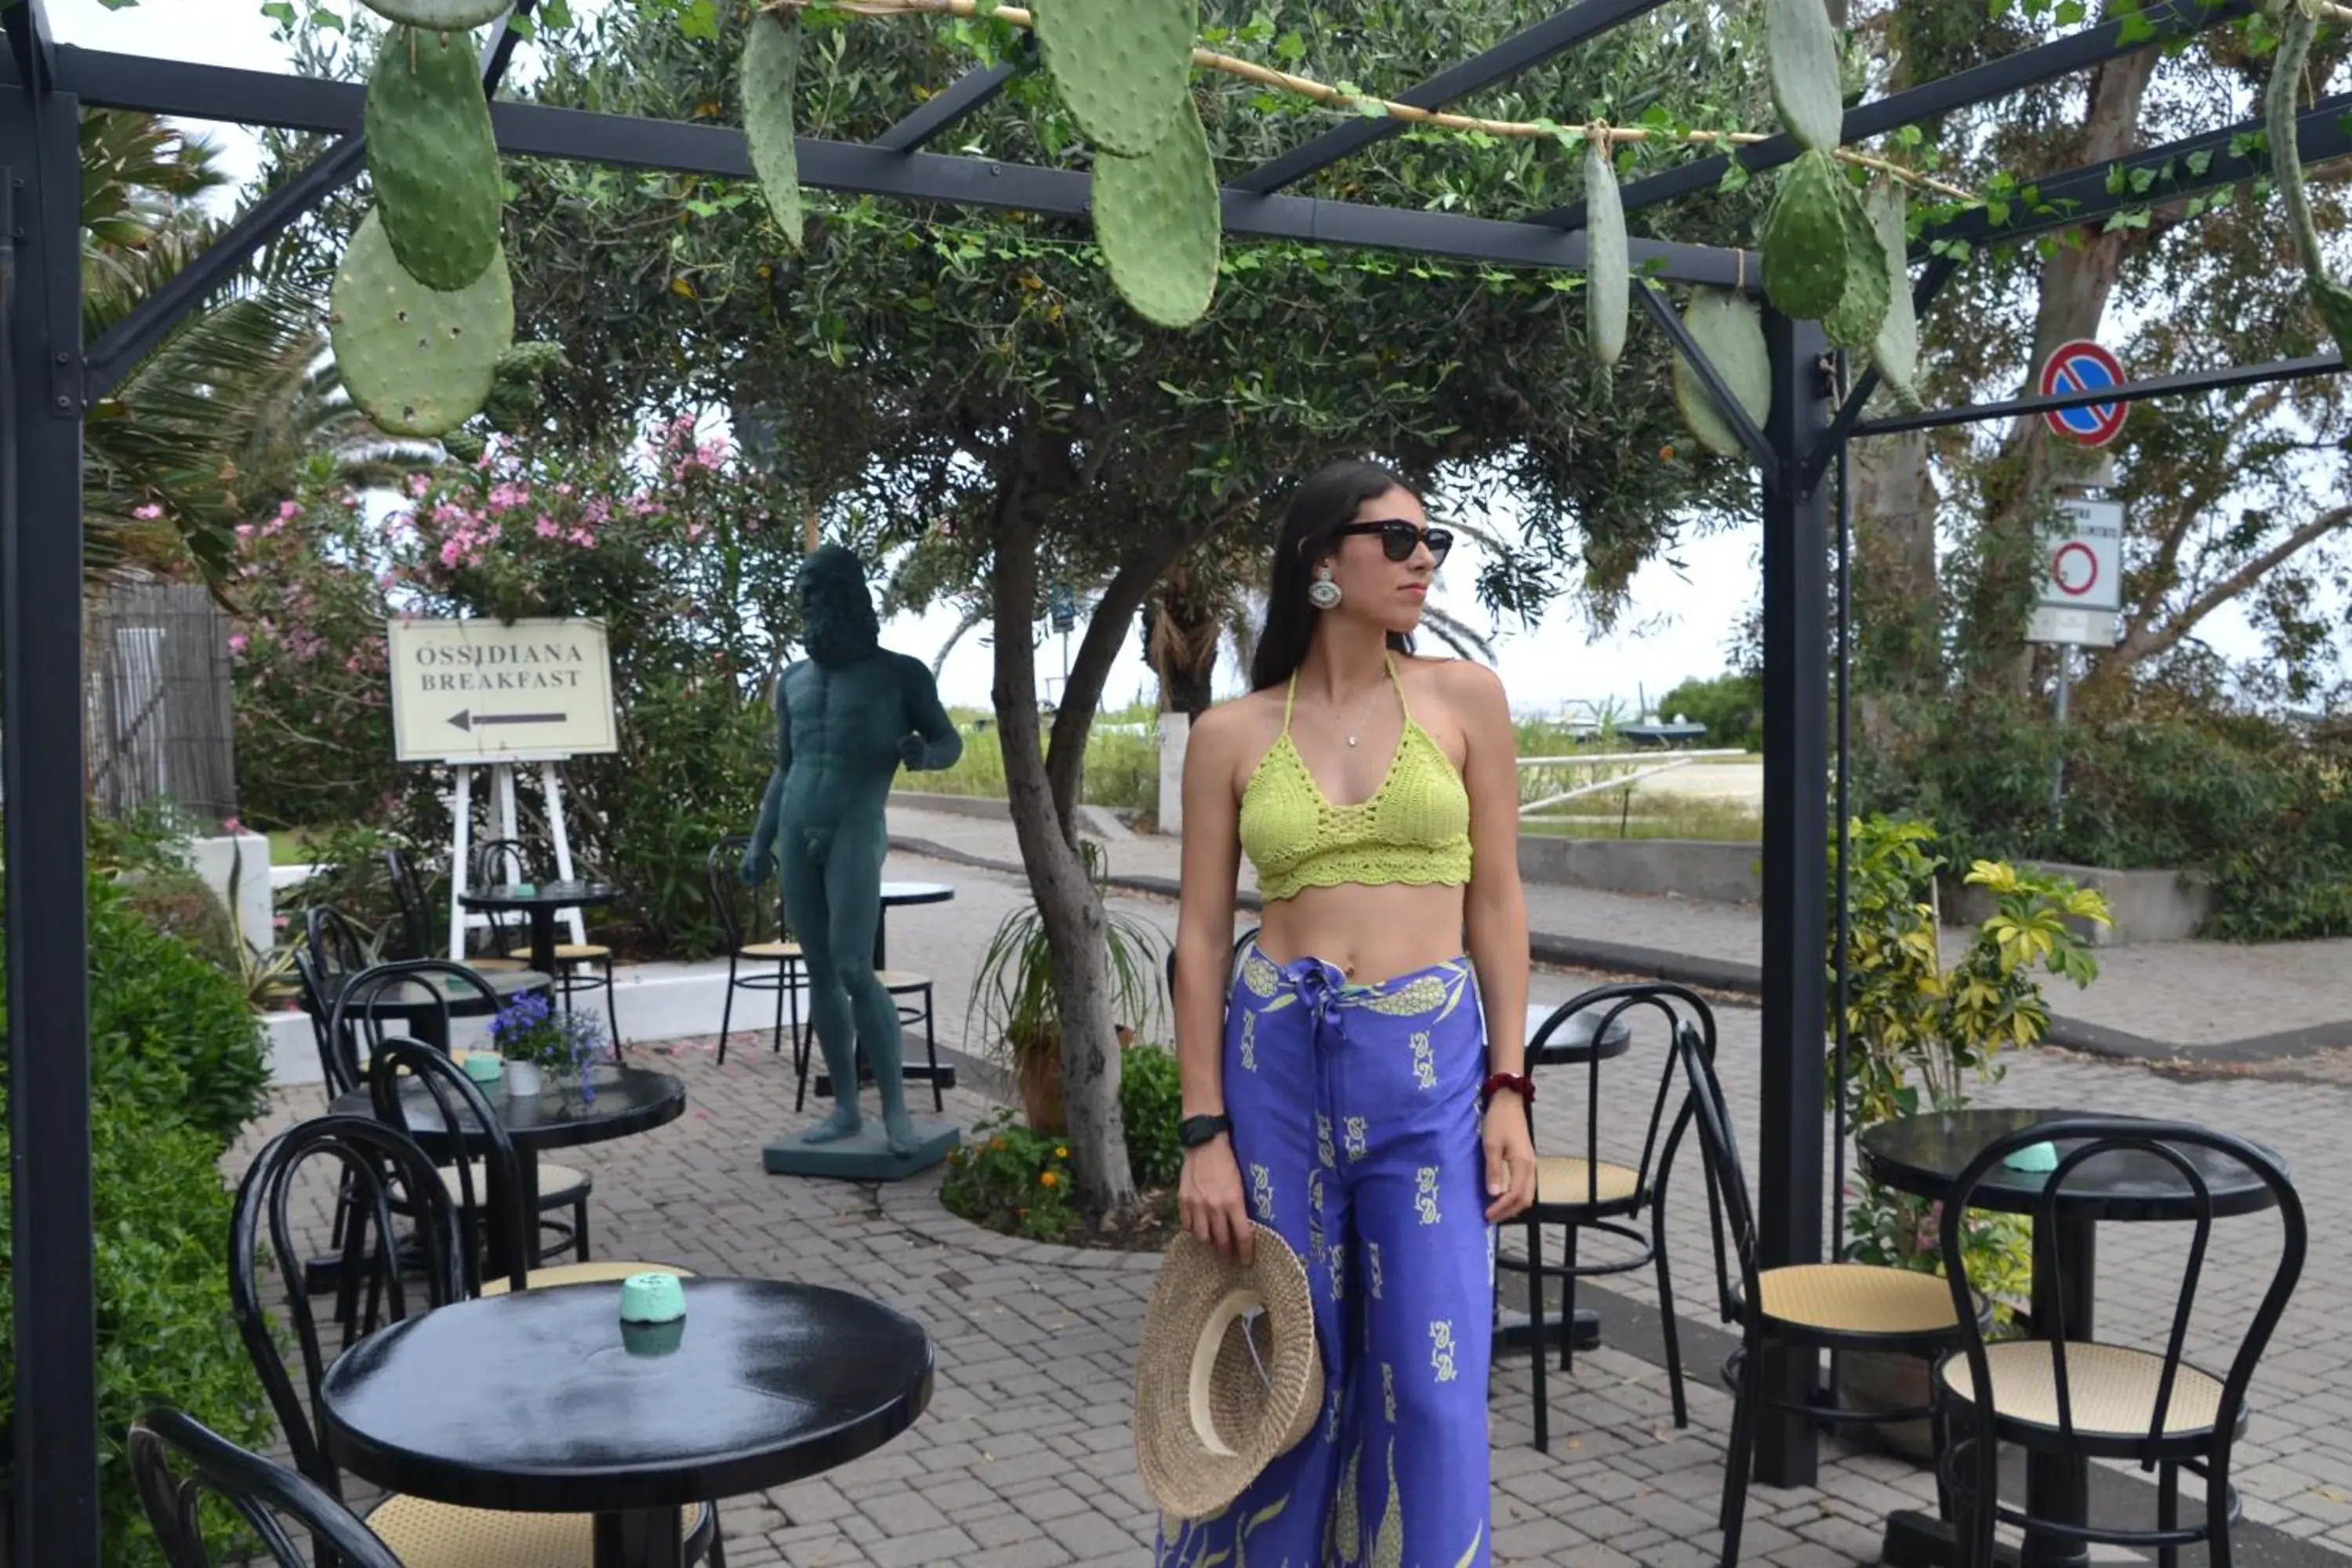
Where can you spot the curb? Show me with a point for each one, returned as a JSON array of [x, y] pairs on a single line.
[[1739, 979]]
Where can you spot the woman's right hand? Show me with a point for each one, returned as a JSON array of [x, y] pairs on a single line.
[[1208, 1199]]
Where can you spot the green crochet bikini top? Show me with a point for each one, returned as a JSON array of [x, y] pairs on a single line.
[[1414, 829]]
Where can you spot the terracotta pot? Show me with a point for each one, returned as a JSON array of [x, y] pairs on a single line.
[[1873, 1380], [1039, 1069]]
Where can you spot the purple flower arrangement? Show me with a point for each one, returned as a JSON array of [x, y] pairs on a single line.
[[562, 1044]]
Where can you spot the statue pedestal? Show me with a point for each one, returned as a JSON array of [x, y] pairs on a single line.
[[864, 1157]]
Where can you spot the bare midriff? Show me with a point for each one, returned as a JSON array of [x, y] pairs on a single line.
[[1368, 933]]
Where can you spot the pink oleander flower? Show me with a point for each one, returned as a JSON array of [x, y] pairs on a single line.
[[287, 511], [237, 642], [547, 527], [231, 825], [245, 530], [508, 495], [419, 483], [147, 513]]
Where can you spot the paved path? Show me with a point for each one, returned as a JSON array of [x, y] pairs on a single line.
[[2219, 1006]]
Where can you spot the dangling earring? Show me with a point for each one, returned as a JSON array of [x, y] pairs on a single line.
[[1323, 592]]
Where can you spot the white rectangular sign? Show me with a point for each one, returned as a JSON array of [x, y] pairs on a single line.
[[483, 692], [2084, 570], [2080, 628]]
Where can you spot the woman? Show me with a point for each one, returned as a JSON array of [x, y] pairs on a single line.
[[1360, 1092]]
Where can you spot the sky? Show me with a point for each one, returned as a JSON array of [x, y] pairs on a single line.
[[1676, 625]]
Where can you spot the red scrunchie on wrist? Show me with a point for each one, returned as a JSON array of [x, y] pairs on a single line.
[[1518, 1083]]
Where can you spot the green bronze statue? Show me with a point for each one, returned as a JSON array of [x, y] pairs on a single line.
[[846, 717]]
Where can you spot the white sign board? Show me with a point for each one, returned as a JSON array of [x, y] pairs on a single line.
[[483, 692], [2082, 577]]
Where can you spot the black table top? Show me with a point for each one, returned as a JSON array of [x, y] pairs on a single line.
[[895, 893], [629, 1100], [1924, 1155], [423, 993], [540, 1402], [542, 895]]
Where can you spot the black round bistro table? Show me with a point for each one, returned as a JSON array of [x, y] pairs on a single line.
[[1924, 1155], [423, 1002], [543, 1402], [629, 1100], [902, 895], [541, 903]]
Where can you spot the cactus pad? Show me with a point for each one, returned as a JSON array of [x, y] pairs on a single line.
[[1122, 68], [1161, 224], [1801, 48], [1862, 305], [434, 157], [1608, 265], [769, 79], [418, 360], [1804, 241], [1729, 330], [438, 15], [1895, 348]]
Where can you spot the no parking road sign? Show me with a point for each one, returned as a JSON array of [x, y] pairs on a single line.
[[2083, 366]]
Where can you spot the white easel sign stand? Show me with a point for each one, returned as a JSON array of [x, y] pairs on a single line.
[[488, 695]]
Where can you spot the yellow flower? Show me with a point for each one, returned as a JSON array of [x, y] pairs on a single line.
[[1048, 1179], [1060, 1152], [996, 1143]]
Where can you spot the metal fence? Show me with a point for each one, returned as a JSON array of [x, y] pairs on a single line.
[[156, 706]]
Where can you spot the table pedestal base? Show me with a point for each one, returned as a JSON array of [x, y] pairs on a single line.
[[1511, 1330], [1916, 1539], [649, 1538], [865, 1157]]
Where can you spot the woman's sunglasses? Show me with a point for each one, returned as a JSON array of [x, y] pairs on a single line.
[[1399, 538]]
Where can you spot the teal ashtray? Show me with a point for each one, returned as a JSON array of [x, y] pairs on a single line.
[[652, 1299], [653, 1339], [484, 1067], [523, 890], [2033, 1157]]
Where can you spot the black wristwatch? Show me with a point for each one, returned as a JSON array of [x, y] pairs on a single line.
[[1195, 1131]]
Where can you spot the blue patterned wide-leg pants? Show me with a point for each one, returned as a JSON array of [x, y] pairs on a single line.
[[1356, 1124]]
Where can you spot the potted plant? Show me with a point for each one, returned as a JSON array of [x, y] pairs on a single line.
[[1921, 1034], [1014, 991], [539, 1044]]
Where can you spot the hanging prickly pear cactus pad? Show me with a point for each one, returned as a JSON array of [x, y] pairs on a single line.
[[1804, 239], [1729, 330], [434, 157], [1608, 264], [769, 79], [2330, 299], [418, 360], [1122, 68], [1861, 309], [1159, 222], [1895, 348], [1800, 53], [439, 15]]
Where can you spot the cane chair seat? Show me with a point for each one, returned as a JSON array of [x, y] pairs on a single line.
[[2112, 1388], [1563, 1180], [424, 1534], [581, 951], [503, 965], [558, 1184], [770, 951], [598, 1271], [1858, 1298]]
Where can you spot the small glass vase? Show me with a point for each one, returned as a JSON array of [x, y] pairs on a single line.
[[523, 1079]]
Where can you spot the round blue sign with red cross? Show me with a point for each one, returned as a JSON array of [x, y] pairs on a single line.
[[2083, 366]]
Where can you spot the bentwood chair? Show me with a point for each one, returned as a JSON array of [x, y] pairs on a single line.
[[417, 926], [1589, 1191], [2097, 1399], [356, 1022], [510, 860], [395, 1276], [1837, 1307], [267, 1496], [752, 928], [1240, 942]]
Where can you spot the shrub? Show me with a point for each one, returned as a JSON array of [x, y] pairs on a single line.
[[1011, 1179], [1730, 706], [1150, 1103], [177, 1069], [179, 903]]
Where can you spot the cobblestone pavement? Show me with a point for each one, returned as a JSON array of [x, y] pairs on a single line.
[[1023, 1457]]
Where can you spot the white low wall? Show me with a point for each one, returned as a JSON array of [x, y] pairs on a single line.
[[248, 852]]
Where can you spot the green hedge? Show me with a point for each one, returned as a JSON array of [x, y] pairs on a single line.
[[177, 1068]]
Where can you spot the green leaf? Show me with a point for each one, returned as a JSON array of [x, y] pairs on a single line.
[[2199, 162], [2069, 13], [279, 11], [699, 20], [555, 14]]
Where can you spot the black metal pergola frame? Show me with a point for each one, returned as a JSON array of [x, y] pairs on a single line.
[[53, 377]]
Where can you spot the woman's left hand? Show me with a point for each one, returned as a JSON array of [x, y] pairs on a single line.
[[1510, 1158]]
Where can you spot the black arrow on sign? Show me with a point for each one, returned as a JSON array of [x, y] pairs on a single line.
[[469, 721]]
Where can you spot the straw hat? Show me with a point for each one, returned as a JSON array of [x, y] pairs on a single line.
[[1228, 1376]]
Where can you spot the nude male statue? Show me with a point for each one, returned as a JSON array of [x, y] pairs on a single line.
[[846, 717]]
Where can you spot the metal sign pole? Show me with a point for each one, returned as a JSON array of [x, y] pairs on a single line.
[[2058, 762]]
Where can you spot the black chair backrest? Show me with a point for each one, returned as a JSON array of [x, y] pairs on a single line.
[[2156, 1149], [384, 1177], [355, 1013], [266, 1495], [745, 915], [500, 862], [338, 948], [1727, 1180], [495, 1208], [415, 914], [1612, 1002], [315, 1003], [1240, 942]]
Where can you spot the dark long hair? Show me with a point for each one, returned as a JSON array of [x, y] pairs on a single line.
[[1330, 497]]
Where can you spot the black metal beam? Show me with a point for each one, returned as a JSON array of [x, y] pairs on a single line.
[[963, 97], [1523, 50], [138, 334], [55, 1483], [1796, 873], [2187, 383], [530, 129], [1979, 84], [1857, 397], [2172, 171], [1705, 368]]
